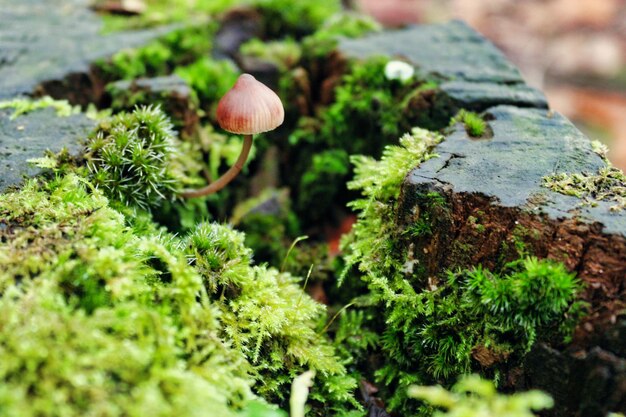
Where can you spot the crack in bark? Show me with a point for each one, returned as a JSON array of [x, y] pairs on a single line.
[[450, 158]]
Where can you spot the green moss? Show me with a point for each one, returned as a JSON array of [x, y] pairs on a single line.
[[285, 54], [267, 317], [319, 183], [431, 204], [363, 119], [347, 24], [354, 338], [343, 24], [608, 184], [210, 79], [515, 246], [201, 158], [168, 93], [130, 155], [364, 116], [161, 56], [474, 321], [161, 12], [379, 182], [281, 17], [269, 225], [174, 326], [97, 319], [474, 124], [475, 223], [473, 396], [22, 106], [286, 17]]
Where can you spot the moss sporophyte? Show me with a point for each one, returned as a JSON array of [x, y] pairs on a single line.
[[248, 108]]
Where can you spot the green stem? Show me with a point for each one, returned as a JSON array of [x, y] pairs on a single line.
[[228, 175]]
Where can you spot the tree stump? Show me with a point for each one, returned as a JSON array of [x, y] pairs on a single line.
[[495, 199], [48, 47]]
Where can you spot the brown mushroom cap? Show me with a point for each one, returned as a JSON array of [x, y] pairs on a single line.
[[250, 107]]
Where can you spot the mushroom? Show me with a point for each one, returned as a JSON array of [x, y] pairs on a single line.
[[248, 108], [399, 70]]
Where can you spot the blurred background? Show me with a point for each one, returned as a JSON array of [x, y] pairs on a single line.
[[573, 50]]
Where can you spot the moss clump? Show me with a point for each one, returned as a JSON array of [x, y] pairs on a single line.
[[161, 12], [379, 182], [473, 396], [436, 329], [319, 183], [285, 54], [160, 57], [281, 17], [346, 24], [141, 322], [608, 184], [363, 119], [476, 320], [130, 157], [297, 19], [267, 317], [475, 126], [343, 24], [97, 319], [170, 93], [269, 225]]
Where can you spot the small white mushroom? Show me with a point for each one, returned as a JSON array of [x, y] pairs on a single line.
[[399, 70]]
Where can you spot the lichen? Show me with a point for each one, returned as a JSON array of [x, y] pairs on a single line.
[[608, 184], [25, 105]]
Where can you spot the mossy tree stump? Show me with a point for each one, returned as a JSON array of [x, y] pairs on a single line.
[[496, 207]]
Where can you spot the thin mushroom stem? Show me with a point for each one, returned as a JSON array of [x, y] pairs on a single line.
[[228, 175]]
